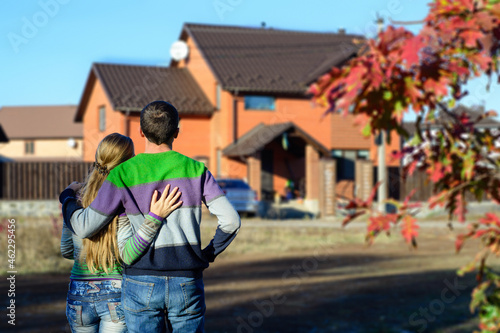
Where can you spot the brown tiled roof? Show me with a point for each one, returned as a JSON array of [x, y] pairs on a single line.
[[261, 135], [131, 88], [3, 136], [39, 122], [269, 60]]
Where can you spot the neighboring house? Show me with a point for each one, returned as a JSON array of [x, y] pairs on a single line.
[[473, 112], [241, 96], [40, 133]]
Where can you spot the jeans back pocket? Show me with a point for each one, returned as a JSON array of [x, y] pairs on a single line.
[[136, 295], [74, 314], [194, 296]]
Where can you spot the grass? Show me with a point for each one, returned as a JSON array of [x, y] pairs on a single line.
[[37, 246], [38, 240]]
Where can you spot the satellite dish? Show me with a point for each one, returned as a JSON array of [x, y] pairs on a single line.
[[71, 143], [179, 50]]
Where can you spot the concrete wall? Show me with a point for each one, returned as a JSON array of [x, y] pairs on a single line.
[[35, 208]]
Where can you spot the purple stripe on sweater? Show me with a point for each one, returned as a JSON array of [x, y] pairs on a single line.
[[153, 215], [108, 200], [141, 241], [211, 189], [137, 200]]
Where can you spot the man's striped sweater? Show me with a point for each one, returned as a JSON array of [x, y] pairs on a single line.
[[177, 249]]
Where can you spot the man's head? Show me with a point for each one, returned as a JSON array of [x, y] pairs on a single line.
[[159, 122]]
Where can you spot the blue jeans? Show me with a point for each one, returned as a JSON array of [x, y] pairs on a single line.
[[151, 303], [95, 306]]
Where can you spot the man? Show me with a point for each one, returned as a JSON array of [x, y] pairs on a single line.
[[167, 280]]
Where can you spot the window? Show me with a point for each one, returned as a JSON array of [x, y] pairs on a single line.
[[345, 162], [259, 103], [363, 154], [350, 154], [217, 95], [29, 147], [102, 118]]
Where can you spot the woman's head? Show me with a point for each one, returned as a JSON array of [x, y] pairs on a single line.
[[101, 250], [111, 151]]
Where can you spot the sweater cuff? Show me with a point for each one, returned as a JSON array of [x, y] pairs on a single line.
[[155, 218], [66, 194]]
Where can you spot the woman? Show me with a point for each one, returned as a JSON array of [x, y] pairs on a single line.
[[94, 296]]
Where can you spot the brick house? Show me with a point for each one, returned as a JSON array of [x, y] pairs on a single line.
[[241, 96], [40, 133]]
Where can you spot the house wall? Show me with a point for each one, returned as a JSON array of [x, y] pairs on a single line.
[[218, 124], [193, 139], [302, 112], [43, 148], [134, 125], [91, 133], [346, 135]]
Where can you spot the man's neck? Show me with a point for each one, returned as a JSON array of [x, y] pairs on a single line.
[[152, 148]]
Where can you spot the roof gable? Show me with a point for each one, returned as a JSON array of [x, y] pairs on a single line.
[[259, 136], [130, 88], [268, 60]]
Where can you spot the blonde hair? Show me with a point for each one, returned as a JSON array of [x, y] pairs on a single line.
[[100, 251]]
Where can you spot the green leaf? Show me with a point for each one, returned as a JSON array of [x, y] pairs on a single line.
[[468, 165], [490, 313], [467, 268], [416, 140], [367, 130], [479, 296], [387, 95], [451, 104]]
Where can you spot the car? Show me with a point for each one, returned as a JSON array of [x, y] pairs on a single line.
[[240, 195]]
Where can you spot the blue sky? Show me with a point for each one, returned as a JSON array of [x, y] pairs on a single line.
[[48, 46]]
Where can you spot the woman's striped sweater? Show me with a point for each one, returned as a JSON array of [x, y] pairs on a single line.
[[131, 246], [176, 251]]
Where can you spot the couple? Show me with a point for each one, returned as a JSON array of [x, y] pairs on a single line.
[[154, 243]]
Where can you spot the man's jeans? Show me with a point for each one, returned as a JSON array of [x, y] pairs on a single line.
[[94, 306], [153, 302]]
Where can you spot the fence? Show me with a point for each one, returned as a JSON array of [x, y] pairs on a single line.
[[38, 180], [419, 181]]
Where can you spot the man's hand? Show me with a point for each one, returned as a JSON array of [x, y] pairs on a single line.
[[167, 203], [75, 186]]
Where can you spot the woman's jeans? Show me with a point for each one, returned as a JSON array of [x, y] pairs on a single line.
[[95, 306], [151, 303]]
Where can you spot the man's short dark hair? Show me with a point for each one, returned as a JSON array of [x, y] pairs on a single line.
[[159, 121]]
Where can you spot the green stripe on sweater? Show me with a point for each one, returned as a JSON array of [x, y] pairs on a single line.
[[171, 163]]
